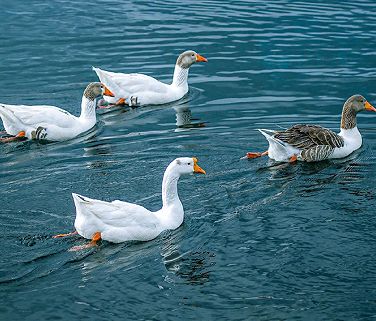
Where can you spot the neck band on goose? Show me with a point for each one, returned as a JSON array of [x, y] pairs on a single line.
[[87, 108], [170, 187], [348, 120], [180, 76]]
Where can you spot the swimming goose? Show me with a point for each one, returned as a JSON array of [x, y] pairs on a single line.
[[140, 89], [120, 221], [49, 122], [313, 143]]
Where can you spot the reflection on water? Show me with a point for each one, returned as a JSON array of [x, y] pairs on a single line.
[[97, 153], [193, 267], [184, 118]]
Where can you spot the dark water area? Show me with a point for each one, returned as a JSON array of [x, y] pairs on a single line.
[[260, 240]]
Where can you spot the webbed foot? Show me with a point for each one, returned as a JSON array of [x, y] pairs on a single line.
[[251, 155], [64, 235], [293, 159], [19, 136], [95, 238]]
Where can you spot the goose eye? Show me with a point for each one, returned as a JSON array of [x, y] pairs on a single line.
[[189, 163]]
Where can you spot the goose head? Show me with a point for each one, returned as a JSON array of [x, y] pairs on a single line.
[[188, 58], [358, 103], [95, 90], [187, 165], [352, 106]]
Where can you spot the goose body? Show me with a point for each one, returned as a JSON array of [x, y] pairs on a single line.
[[120, 221], [139, 89], [321, 144], [352, 140], [312, 143], [49, 122]]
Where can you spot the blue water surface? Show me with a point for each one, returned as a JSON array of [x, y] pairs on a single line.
[[260, 241]]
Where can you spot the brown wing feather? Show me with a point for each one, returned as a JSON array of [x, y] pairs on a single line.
[[317, 153], [308, 136]]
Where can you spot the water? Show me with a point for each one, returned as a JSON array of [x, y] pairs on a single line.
[[260, 241]]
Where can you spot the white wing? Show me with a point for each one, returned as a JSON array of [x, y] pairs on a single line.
[[125, 85], [38, 115], [116, 214]]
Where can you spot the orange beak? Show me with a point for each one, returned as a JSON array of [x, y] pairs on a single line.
[[200, 58], [369, 107], [107, 92], [196, 168]]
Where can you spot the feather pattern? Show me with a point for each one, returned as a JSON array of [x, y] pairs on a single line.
[[308, 136], [317, 153]]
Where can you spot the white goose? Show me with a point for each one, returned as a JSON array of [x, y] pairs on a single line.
[[49, 122], [140, 89], [120, 221], [312, 143]]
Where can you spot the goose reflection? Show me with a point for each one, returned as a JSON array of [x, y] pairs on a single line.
[[184, 118], [98, 153], [308, 179], [193, 267]]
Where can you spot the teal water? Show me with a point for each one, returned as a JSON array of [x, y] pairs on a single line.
[[260, 241]]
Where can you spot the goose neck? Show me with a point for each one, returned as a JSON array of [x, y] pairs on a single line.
[[170, 188], [180, 76], [87, 108], [348, 119]]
